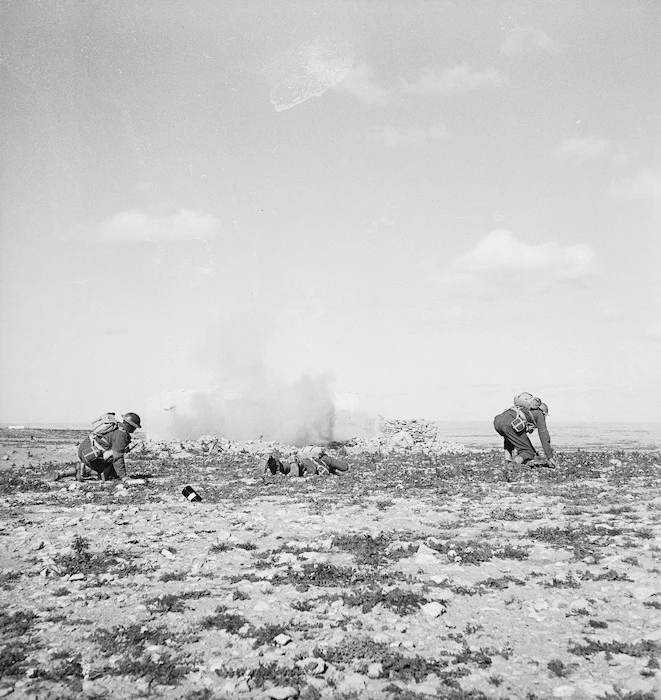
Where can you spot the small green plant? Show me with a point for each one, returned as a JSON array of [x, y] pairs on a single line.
[[592, 646], [173, 576], [568, 582], [8, 578], [609, 575], [598, 624], [400, 601], [232, 623], [265, 634], [269, 675], [558, 668], [368, 550], [220, 547], [127, 646], [173, 602], [82, 561]]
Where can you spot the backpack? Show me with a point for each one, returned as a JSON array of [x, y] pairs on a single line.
[[522, 423], [527, 400], [105, 424]]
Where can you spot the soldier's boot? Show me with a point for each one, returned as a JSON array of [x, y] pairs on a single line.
[[80, 471]]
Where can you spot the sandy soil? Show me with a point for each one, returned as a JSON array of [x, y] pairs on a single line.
[[411, 576]]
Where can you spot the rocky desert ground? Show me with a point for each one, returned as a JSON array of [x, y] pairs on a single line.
[[426, 571]]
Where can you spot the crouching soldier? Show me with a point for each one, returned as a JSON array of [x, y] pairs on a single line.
[[308, 461], [103, 450], [526, 415]]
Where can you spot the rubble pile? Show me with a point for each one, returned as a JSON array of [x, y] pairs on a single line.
[[411, 436], [416, 435], [206, 445], [419, 430]]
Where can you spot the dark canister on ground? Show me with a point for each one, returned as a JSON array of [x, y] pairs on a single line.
[[191, 494]]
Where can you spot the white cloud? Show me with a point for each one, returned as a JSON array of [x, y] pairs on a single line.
[[521, 40], [580, 150], [645, 185], [360, 83], [307, 70], [457, 80], [412, 136], [653, 332], [501, 253], [136, 225]]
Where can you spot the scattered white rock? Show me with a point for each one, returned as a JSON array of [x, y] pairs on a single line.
[[352, 683], [375, 670], [433, 609], [281, 693], [564, 691], [643, 592], [282, 639], [654, 636]]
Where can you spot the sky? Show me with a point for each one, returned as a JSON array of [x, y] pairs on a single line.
[[417, 208]]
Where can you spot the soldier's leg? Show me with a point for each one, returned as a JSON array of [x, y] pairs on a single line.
[[510, 449], [269, 465], [522, 449], [334, 464], [108, 473], [72, 471], [295, 468], [308, 466]]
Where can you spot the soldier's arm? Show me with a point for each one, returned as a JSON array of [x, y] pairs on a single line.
[[544, 436], [119, 443]]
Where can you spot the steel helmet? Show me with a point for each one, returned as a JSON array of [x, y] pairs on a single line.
[[133, 419]]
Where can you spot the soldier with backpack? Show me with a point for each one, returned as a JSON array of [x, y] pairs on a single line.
[[527, 414], [103, 450]]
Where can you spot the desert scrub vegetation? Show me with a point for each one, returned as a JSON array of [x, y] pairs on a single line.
[[394, 665], [270, 674], [400, 601], [17, 641], [173, 602], [477, 551], [82, 561], [8, 579], [26, 480], [593, 646], [367, 549], [222, 619], [145, 652]]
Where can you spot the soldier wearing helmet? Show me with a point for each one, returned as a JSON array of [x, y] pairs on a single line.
[[527, 414], [104, 454]]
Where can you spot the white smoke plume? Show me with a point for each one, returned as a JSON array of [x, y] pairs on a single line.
[[246, 399]]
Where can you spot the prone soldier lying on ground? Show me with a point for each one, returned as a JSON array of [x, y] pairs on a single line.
[[306, 462]]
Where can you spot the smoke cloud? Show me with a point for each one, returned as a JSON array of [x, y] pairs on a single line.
[[246, 399]]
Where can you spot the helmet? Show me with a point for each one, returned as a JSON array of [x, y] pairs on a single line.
[[133, 419]]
